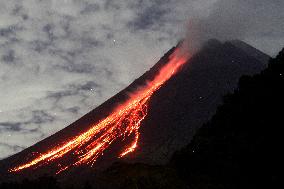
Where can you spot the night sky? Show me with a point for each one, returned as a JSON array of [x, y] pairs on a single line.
[[59, 59]]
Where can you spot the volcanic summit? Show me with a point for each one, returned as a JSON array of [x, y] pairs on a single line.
[[146, 122]]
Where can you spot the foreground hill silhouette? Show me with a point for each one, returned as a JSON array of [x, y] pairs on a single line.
[[240, 146], [176, 111]]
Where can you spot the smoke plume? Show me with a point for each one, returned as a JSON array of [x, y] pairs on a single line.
[[249, 20]]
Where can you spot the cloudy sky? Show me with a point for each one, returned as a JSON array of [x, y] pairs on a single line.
[[61, 58]]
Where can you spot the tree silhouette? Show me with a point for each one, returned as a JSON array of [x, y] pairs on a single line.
[[39, 183]]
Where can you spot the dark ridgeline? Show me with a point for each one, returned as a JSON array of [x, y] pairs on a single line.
[[176, 111], [43, 182]]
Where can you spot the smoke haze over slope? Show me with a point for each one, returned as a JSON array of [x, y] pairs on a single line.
[[258, 22]]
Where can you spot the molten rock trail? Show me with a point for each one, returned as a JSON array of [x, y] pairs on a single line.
[[124, 122]]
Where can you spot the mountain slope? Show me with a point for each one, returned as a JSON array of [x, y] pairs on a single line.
[[191, 98], [176, 110], [251, 50], [240, 147]]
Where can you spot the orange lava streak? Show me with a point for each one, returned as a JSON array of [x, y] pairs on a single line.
[[121, 123]]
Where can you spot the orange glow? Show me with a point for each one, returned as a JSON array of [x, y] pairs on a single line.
[[124, 122]]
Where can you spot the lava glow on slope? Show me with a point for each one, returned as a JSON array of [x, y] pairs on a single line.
[[122, 123]]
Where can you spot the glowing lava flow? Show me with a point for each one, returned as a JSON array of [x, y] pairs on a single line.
[[124, 122]]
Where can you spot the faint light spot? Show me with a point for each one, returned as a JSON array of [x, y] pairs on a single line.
[[280, 74], [193, 151], [114, 40]]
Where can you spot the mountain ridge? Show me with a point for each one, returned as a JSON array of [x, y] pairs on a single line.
[[199, 78]]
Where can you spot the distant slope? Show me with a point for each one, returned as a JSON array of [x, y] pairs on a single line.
[[191, 98], [240, 147], [262, 57], [176, 110]]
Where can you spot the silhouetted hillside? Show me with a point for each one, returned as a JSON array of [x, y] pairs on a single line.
[[240, 146], [39, 183]]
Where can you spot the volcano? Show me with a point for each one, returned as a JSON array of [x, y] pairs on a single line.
[[146, 122]]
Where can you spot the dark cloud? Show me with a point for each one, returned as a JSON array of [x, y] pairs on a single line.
[[17, 9], [5, 32], [90, 8], [10, 31], [10, 126], [39, 46], [150, 17], [77, 68], [48, 29], [73, 110], [73, 90], [61, 94], [88, 86], [25, 16], [89, 42], [40, 116], [37, 117], [9, 57], [112, 4]]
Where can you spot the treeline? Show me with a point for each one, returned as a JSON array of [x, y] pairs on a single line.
[[40, 183], [44, 182]]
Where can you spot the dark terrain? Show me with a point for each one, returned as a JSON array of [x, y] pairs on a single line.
[[225, 152]]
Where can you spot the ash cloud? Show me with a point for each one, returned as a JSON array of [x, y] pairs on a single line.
[[255, 22]]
